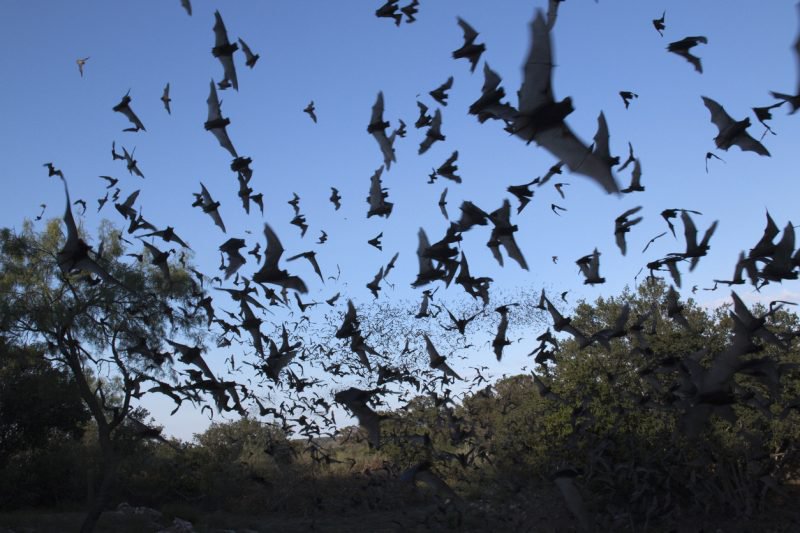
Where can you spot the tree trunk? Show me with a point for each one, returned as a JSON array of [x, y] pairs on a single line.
[[103, 492]]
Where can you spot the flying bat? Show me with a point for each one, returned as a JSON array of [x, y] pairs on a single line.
[[209, 206], [627, 96], [231, 248], [659, 25], [166, 99], [448, 168], [216, 123], [636, 179], [270, 272], [732, 132], [438, 362], [433, 134], [335, 198], [469, 50], [81, 62], [250, 57], [622, 226], [223, 50], [503, 234], [489, 104], [377, 197], [124, 107], [311, 257], [377, 128], [424, 118], [389, 10], [310, 110], [793, 100], [541, 118], [683, 47], [440, 93]]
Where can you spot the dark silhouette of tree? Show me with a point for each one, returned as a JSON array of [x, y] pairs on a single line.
[[107, 337]]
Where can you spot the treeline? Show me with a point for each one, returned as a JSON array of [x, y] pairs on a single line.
[[629, 431]]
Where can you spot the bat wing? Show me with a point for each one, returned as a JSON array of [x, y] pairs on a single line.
[[386, 147], [552, 13], [564, 145], [689, 231], [187, 5], [536, 88], [719, 117], [435, 358], [229, 70], [214, 110], [748, 143], [513, 251], [224, 140], [128, 112], [274, 249], [377, 110], [469, 32], [220, 33]]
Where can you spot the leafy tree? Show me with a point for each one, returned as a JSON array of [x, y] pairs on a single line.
[[38, 401], [107, 336]]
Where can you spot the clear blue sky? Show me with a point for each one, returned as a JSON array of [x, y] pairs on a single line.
[[340, 55]]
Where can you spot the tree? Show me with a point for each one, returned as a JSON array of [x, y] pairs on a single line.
[[37, 401], [107, 336]]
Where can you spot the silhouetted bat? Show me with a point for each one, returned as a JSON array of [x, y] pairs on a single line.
[[209, 206], [541, 118], [732, 132], [424, 118], [433, 134], [489, 105], [659, 25], [250, 57], [389, 10], [682, 48], [216, 123], [124, 108], [166, 99], [310, 110], [448, 168], [410, 10], [377, 128], [223, 50], [269, 272], [440, 93], [335, 198], [794, 100], [377, 197], [469, 50], [231, 248]]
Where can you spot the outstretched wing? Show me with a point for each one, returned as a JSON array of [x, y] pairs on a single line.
[[565, 145], [536, 86], [719, 117], [274, 249]]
